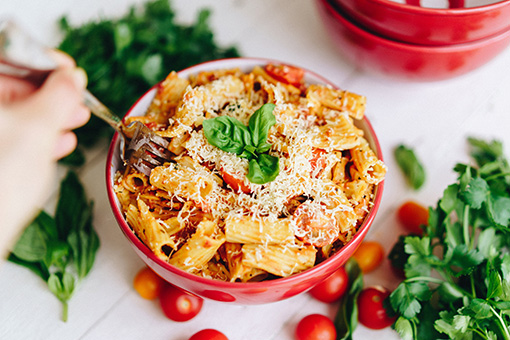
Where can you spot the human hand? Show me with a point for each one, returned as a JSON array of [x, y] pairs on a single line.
[[35, 130]]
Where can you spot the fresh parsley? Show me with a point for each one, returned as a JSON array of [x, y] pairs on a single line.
[[457, 281], [61, 250], [250, 142], [410, 166], [125, 56]]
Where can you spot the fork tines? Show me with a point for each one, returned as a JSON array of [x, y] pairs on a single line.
[[146, 150]]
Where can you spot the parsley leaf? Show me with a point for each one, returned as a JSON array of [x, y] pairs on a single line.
[[132, 53], [458, 272]]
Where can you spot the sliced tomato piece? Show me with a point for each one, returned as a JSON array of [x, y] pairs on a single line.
[[235, 182], [314, 226], [286, 74], [318, 161]]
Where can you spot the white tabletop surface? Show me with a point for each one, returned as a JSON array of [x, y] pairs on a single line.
[[435, 118]]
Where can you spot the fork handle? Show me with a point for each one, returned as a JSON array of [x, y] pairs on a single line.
[[101, 111]]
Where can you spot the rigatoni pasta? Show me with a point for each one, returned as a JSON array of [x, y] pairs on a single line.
[[200, 212]]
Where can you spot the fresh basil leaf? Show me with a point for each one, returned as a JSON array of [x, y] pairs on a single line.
[[31, 246], [57, 254], [84, 246], [38, 268], [259, 124], [263, 170], [227, 134], [410, 165], [346, 319], [71, 205]]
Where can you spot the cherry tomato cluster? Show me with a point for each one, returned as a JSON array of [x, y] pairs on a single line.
[[177, 304], [372, 313]]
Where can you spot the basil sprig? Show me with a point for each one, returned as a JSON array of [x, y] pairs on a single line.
[[61, 249], [250, 142]]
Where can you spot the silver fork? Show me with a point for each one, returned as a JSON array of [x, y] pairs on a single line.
[[23, 57]]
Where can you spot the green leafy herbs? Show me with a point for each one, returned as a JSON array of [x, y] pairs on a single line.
[[346, 319], [61, 249], [250, 142], [457, 281], [410, 166], [124, 57]]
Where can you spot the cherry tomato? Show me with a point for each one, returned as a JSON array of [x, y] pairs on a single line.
[[332, 288], [369, 255], [314, 226], [236, 183], [147, 283], [412, 215], [208, 334], [286, 74], [315, 327], [372, 313], [178, 304]]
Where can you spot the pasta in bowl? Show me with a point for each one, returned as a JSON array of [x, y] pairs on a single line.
[[274, 180]]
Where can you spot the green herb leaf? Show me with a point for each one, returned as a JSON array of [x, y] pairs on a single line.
[[260, 123], [476, 192], [230, 135], [61, 250], [31, 246], [264, 170], [227, 134], [346, 319], [410, 166], [131, 53], [407, 296]]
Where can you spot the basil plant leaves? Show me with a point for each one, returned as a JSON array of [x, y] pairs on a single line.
[[250, 142]]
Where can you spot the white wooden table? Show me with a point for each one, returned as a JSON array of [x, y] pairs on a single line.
[[435, 118]]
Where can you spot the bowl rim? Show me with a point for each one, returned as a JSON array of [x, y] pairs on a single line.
[[341, 17], [428, 11], [233, 286]]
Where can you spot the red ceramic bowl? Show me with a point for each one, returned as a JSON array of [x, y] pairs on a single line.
[[242, 293], [428, 26], [415, 62]]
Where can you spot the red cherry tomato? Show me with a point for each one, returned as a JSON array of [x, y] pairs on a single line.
[[369, 255], [208, 334], [315, 327], [372, 313], [286, 74], [147, 283], [236, 183], [412, 215], [332, 288], [314, 226], [178, 304]]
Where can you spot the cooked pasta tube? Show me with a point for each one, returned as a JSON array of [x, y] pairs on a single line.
[[280, 260], [339, 135], [199, 248], [340, 100], [371, 168], [183, 181], [149, 230], [245, 229]]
